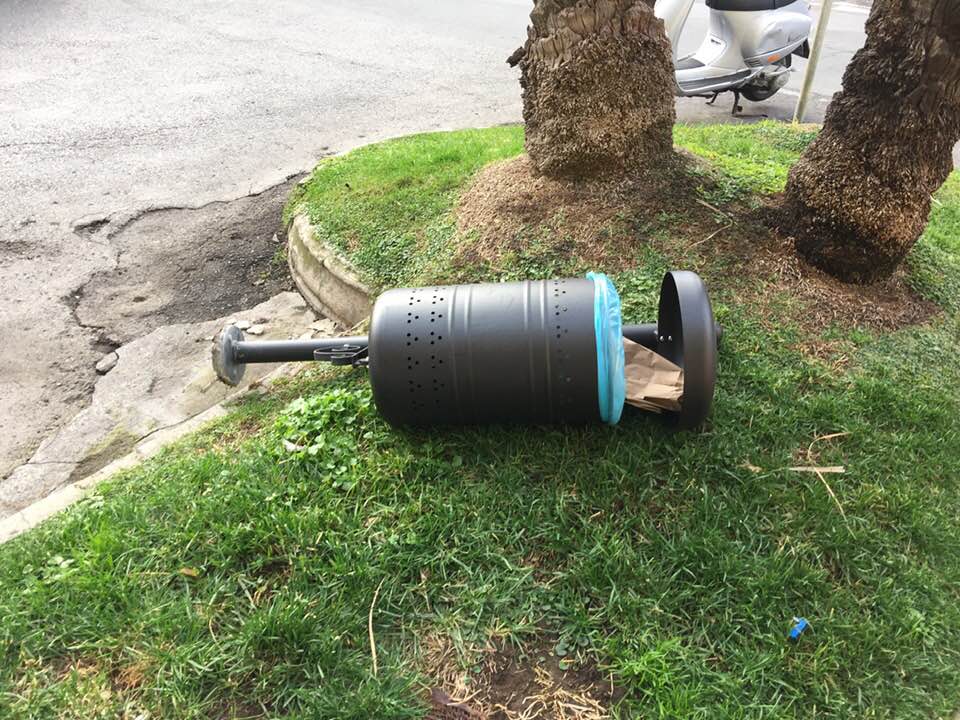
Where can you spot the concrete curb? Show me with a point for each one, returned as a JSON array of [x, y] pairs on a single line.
[[32, 515], [324, 278]]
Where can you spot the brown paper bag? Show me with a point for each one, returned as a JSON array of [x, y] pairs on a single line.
[[653, 382]]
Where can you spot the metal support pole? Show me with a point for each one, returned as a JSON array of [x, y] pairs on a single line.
[[813, 60], [271, 351]]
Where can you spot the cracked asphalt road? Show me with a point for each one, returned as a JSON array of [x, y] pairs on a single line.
[[114, 113], [234, 260]]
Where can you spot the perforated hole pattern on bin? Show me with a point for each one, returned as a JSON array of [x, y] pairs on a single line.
[[558, 292], [426, 323]]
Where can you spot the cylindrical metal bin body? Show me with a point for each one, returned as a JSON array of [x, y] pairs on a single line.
[[516, 352]]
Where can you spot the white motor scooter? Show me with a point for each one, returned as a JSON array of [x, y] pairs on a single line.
[[748, 49]]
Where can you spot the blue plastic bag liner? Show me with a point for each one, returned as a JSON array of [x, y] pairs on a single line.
[[608, 325]]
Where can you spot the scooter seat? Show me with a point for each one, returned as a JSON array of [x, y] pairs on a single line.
[[748, 5]]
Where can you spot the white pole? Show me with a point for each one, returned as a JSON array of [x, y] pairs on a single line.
[[813, 60]]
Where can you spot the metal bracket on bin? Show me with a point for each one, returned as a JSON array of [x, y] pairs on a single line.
[[355, 355]]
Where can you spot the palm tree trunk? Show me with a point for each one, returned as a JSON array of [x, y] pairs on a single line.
[[859, 198], [597, 79]]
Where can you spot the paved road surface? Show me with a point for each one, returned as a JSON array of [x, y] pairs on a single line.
[[110, 110]]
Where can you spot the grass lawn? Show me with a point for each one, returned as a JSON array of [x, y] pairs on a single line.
[[229, 577]]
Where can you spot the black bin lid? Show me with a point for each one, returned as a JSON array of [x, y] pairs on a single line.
[[688, 338]]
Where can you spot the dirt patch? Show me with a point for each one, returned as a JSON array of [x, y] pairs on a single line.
[[752, 248], [518, 684], [130, 677], [508, 208], [227, 256], [737, 249], [64, 666]]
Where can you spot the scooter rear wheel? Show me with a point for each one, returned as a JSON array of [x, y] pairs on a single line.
[[758, 94]]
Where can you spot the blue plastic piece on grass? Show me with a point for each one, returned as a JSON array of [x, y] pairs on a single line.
[[799, 625], [608, 325]]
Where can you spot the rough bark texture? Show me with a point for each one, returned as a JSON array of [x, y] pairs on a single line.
[[597, 79], [859, 197]]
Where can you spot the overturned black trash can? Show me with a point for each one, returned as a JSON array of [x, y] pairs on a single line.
[[543, 351]]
